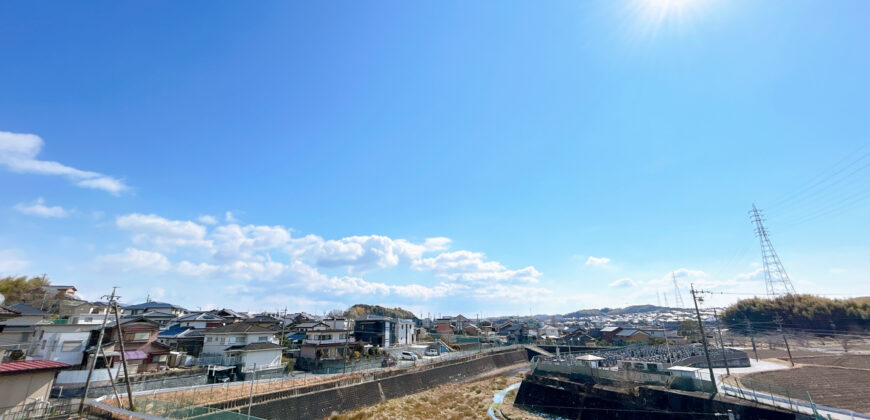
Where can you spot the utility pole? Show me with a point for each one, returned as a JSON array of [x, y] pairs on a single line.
[[751, 337], [722, 343], [251, 395], [123, 355], [99, 347], [704, 340], [778, 321]]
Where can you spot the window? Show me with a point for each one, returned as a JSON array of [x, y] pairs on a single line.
[[43, 345], [262, 338], [223, 340], [141, 336], [70, 345], [209, 339], [159, 358]]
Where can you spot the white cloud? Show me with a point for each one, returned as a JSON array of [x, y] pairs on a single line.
[[188, 268], [467, 266], [11, 262], [241, 255], [230, 218], [163, 233], [207, 219], [234, 241], [597, 261], [38, 208], [132, 260], [18, 153], [623, 282], [837, 270]]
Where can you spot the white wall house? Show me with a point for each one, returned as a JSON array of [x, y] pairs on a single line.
[[405, 332], [244, 343], [332, 343], [61, 343]]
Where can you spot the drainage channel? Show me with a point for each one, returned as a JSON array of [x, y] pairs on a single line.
[[497, 399]]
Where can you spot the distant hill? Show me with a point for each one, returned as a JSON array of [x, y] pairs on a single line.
[[634, 309], [359, 310]]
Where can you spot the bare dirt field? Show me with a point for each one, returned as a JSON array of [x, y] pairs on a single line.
[[830, 386], [469, 400], [858, 361]]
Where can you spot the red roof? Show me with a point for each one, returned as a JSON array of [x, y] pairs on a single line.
[[30, 365]]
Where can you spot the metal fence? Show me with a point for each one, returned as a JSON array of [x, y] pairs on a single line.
[[54, 409], [793, 398]]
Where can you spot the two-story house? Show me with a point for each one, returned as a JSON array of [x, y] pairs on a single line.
[[142, 350], [324, 342], [61, 342], [152, 306], [249, 344]]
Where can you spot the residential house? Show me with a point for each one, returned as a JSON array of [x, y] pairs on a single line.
[[609, 333], [375, 330], [243, 343], [18, 330], [443, 326], [471, 329], [229, 316], [264, 320], [184, 339], [548, 331], [68, 291], [61, 342], [163, 319], [152, 306], [631, 336], [664, 333], [200, 320], [83, 312], [323, 342], [142, 350], [459, 322], [405, 335], [26, 382]]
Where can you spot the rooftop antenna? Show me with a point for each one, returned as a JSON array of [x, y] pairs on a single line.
[[678, 298], [666, 300], [658, 298], [776, 280]]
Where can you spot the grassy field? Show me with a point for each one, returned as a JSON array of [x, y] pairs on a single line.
[[460, 401]]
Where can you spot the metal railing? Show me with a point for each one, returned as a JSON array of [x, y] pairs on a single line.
[[54, 409], [792, 398]]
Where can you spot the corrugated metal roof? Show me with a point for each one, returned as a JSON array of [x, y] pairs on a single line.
[[29, 365]]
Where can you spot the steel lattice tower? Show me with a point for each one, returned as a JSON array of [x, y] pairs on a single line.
[[677, 295], [775, 278]]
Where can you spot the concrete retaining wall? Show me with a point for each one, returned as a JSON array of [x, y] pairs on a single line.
[[323, 400], [570, 399]]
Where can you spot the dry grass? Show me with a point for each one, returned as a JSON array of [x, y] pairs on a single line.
[[455, 401]]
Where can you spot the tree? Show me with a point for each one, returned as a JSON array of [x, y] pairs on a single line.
[[689, 329], [22, 289]]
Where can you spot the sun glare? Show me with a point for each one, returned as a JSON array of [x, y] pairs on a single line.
[[655, 16]]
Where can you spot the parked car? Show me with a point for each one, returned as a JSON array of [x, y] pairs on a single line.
[[431, 352], [407, 355], [388, 363]]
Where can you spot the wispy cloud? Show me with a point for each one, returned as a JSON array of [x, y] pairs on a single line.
[[38, 208], [597, 261], [11, 262], [18, 153]]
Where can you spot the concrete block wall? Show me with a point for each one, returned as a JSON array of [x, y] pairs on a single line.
[[325, 400]]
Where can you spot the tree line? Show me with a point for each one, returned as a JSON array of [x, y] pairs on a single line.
[[808, 313]]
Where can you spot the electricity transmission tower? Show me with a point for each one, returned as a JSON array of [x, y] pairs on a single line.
[[775, 278], [679, 298]]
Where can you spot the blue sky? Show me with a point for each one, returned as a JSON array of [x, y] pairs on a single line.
[[444, 157]]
